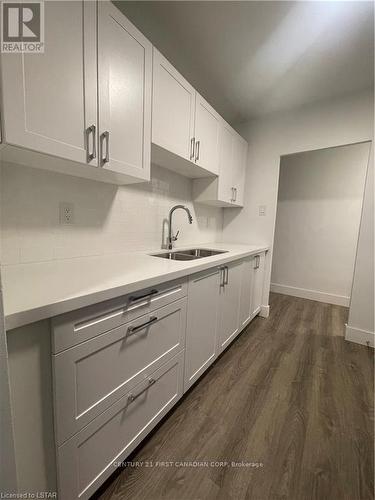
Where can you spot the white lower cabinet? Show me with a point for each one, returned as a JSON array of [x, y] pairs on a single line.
[[93, 375], [258, 279], [229, 302], [251, 287], [247, 284], [87, 459], [201, 327], [121, 365]]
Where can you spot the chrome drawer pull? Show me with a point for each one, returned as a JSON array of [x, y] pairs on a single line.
[[222, 276], [134, 329], [133, 298], [133, 397], [226, 276]]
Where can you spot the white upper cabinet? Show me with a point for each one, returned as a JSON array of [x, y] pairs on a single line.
[[86, 99], [224, 182], [185, 127], [173, 109], [124, 79], [102, 103], [49, 99], [240, 148], [206, 135], [227, 190]]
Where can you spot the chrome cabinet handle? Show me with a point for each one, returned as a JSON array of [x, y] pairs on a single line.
[[222, 274], [198, 144], [133, 298], [257, 262], [132, 397], [235, 194], [232, 199], [90, 131], [226, 275], [104, 137], [134, 329], [192, 148]]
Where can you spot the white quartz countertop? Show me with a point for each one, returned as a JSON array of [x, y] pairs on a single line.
[[42, 290]]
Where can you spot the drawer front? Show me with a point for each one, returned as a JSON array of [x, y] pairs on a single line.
[[88, 378], [87, 459], [77, 326]]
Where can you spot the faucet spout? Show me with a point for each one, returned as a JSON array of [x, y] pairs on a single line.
[[172, 238]]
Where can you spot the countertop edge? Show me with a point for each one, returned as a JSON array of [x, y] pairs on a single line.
[[47, 311]]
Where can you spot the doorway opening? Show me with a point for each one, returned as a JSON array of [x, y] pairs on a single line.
[[318, 217]]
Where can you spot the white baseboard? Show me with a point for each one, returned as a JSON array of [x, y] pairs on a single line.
[[359, 336], [304, 293], [264, 311]]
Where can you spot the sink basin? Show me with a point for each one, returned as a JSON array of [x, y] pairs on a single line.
[[174, 256], [190, 254], [201, 252]]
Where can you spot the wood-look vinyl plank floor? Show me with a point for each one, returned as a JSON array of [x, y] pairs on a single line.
[[289, 393]]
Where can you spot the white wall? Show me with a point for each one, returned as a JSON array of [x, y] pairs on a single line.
[[318, 213], [325, 125], [108, 219], [361, 313]]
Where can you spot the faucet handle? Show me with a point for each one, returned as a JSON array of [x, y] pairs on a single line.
[[175, 237]]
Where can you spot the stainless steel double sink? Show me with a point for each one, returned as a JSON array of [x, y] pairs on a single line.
[[190, 254]]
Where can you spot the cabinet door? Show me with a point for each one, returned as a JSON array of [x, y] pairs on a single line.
[[225, 180], [258, 262], [124, 80], [239, 168], [246, 291], [173, 109], [50, 99], [228, 326], [207, 134], [201, 329]]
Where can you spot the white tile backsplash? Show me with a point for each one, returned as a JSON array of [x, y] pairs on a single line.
[[107, 219]]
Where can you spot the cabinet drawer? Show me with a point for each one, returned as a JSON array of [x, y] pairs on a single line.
[[86, 460], [77, 326], [88, 378]]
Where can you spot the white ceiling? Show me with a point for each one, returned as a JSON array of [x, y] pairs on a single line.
[[254, 57]]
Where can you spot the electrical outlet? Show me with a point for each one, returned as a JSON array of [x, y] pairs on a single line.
[[66, 213], [262, 210]]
